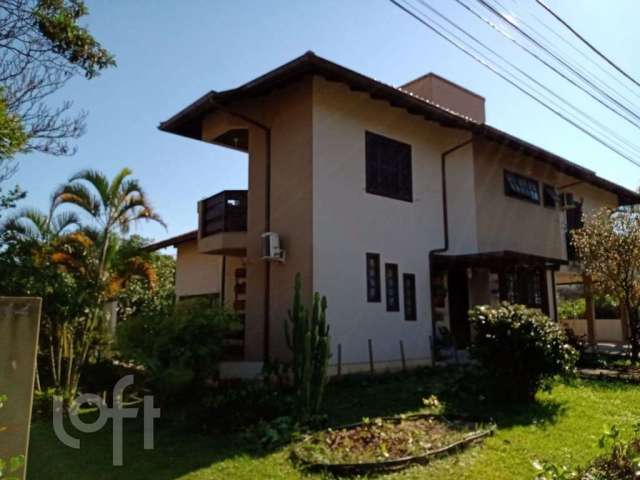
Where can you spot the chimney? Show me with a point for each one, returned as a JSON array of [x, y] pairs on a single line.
[[448, 95]]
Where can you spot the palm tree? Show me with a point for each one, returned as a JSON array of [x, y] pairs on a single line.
[[115, 206], [30, 224], [97, 254]]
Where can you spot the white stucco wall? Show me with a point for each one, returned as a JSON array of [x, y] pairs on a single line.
[[348, 222], [461, 201], [506, 223]]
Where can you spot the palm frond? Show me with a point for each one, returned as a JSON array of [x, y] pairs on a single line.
[[80, 196], [119, 181], [63, 221], [98, 180], [27, 223], [136, 208]]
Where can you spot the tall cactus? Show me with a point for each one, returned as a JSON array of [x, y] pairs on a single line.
[[308, 339]]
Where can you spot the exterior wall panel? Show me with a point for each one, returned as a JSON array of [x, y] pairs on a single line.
[[196, 274], [348, 222]]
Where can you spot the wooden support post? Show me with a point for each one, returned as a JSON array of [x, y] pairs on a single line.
[[590, 309], [339, 360], [624, 320], [371, 356], [404, 361]]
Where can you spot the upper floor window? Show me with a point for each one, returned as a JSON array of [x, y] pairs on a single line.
[[521, 187], [388, 167], [549, 196]]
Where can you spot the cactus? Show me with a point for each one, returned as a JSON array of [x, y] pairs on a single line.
[[308, 339]]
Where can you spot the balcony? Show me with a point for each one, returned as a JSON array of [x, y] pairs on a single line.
[[223, 223]]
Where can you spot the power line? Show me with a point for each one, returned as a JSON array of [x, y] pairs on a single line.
[[617, 138], [586, 42], [584, 70], [515, 84], [549, 65]]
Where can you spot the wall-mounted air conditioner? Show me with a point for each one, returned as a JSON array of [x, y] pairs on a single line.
[[271, 250]]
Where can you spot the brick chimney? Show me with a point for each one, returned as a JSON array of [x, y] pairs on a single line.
[[449, 95]]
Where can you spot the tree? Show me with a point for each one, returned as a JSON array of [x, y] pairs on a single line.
[[76, 267], [42, 47], [114, 206], [141, 297], [13, 138], [608, 247]]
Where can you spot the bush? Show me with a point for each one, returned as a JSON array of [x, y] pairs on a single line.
[[606, 307], [520, 349], [235, 405], [572, 309], [180, 351]]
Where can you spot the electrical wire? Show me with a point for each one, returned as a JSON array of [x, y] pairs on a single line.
[[584, 70], [622, 142], [548, 64], [516, 85], [586, 42]]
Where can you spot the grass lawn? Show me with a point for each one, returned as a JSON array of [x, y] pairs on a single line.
[[563, 426]]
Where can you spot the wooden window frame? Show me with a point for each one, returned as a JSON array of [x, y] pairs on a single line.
[[399, 166], [549, 201], [373, 278], [510, 192], [409, 295], [392, 290]]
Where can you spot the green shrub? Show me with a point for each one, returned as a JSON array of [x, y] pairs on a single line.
[[572, 309], [606, 307], [620, 461], [180, 351], [520, 349]]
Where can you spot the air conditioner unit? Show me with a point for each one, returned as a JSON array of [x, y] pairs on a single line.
[[567, 201], [271, 250]]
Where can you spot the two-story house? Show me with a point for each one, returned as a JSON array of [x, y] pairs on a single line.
[[401, 205]]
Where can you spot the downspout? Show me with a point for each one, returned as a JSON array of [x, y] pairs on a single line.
[[555, 296], [445, 221], [267, 219]]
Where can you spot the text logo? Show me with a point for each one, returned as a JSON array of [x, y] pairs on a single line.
[[117, 413]]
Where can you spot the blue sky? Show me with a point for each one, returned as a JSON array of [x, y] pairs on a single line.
[[169, 53]]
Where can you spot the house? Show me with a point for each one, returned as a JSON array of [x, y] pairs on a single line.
[[401, 205]]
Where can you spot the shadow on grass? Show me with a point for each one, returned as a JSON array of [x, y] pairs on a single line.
[[353, 398], [178, 452]]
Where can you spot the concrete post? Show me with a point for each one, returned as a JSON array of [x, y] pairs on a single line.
[[19, 326]]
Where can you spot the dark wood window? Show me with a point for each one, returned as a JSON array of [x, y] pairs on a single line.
[[409, 292], [574, 222], [373, 277], [549, 196], [388, 167], [526, 286], [392, 287], [519, 186]]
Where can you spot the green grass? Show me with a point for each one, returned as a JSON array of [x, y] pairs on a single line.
[[562, 426]]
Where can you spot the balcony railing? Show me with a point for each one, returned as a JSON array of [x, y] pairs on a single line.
[[224, 212]]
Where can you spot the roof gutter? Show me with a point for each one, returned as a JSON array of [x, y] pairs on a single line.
[[445, 221]]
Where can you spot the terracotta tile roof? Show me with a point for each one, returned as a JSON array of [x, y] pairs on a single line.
[[187, 122]]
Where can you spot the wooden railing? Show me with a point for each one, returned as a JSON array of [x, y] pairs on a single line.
[[223, 212]]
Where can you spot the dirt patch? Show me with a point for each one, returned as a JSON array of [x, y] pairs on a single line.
[[390, 442]]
